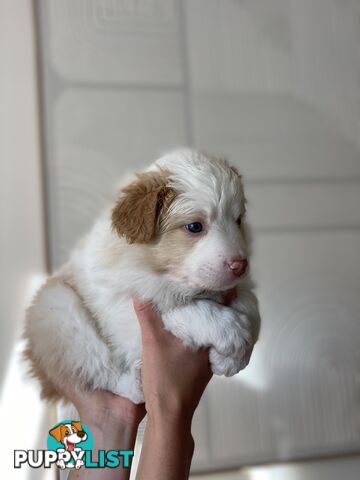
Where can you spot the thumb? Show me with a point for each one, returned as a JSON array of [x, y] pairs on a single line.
[[149, 318]]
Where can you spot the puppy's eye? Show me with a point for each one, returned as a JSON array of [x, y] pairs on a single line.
[[67, 432], [195, 227]]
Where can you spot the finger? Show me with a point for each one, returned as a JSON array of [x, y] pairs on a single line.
[[148, 316], [204, 357]]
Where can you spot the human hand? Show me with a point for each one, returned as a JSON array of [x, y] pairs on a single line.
[[113, 422], [173, 376], [102, 409]]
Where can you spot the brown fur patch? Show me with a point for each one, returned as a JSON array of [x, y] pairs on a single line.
[[175, 243], [48, 389], [171, 251], [136, 214]]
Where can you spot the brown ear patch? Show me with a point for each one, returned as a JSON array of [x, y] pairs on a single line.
[[135, 215]]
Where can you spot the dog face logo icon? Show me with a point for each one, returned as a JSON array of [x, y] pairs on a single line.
[[71, 440], [69, 434]]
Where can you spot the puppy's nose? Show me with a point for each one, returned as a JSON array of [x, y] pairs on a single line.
[[80, 433], [238, 266]]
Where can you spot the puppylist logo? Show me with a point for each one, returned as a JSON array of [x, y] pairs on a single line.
[[70, 445]]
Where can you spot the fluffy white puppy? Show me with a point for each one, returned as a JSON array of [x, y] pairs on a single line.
[[175, 236]]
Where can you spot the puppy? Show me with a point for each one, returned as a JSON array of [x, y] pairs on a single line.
[[176, 236]]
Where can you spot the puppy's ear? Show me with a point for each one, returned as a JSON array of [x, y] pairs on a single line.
[[135, 215], [56, 433], [77, 425]]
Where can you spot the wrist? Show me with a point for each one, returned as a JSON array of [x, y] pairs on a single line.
[[170, 431], [170, 414], [102, 427], [102, 407], [168, 445], [119, 435], [106, 423], [171, 434]]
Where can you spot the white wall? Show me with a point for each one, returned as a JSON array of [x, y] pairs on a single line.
[[22, 236], [22, 246]]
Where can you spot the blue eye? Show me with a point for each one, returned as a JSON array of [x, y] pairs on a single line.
[[195, 227]]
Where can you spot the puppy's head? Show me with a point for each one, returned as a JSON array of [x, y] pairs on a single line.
[[188, 212]]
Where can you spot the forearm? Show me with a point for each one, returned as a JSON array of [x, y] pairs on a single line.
[[174, 379], [167, 448], [108, 437]]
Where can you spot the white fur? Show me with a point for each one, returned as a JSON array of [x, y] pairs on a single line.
[[82, 326]]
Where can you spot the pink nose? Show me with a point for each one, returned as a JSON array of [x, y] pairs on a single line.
[[238, 266]]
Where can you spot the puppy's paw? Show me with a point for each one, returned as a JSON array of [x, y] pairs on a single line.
[[222, 365], [235, 337], [132, 392], [128, 386], [228, 366], [137, 373], [137, 396], [137, 391]]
